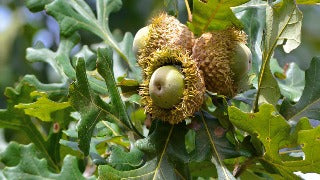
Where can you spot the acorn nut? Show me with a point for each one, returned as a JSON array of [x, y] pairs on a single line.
[[140, 40], [241, 63], [166, 87]]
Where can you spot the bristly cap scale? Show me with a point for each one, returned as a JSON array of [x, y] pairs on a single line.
[[215, 53]]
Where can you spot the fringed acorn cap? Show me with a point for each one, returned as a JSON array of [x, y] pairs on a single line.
[[194, 87], [165, 30], [215, 53]]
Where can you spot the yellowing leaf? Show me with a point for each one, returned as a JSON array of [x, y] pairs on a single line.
[[43, 107], [308, 2]]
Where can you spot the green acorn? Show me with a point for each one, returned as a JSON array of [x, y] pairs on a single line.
[[224, 60], [166, 86], [140, 39], [173, 88]]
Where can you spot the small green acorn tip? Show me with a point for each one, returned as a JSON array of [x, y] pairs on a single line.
[[140, 39], [242, 61]]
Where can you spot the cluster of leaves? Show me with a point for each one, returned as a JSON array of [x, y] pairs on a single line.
[[92, 119]]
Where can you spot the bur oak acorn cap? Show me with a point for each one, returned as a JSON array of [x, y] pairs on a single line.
[[193, 92], [165, 30], [215, 53]]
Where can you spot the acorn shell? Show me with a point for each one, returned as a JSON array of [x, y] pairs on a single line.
[[193, 93], [214, 53], [166, 86], [140, 39], [165, 30]]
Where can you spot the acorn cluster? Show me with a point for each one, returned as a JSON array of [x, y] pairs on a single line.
[[178, 68]]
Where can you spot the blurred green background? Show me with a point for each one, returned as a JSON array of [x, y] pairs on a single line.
[[20, 29]]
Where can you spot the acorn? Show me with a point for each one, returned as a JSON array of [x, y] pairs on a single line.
[[224, 61], [166, 86], [140, 40], [173, 88], [164, 30]]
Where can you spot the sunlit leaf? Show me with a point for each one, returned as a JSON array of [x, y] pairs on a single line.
[[275, 133], [43, 107], [14, 118], [291, 80], [308, 2], [213, 15], [283, 27]]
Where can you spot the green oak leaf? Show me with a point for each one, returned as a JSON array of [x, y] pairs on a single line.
[[203, 169], [275, 134], [104, 67], [222, 171], [257, 172], [210, 139], [90, 106], [291, 79], [129, 87], [76, 14], [138, 116], [147, 171], [14, 118], [166, 156], [309, 103], [172, 7], [58, 60], [11, 117], [212, 144], [36, 5], [105, 135], [61, 64], [122, 81], [213, 15], [24, 162], [121, 160], [88, 56], [283, 27], [43, 107]]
